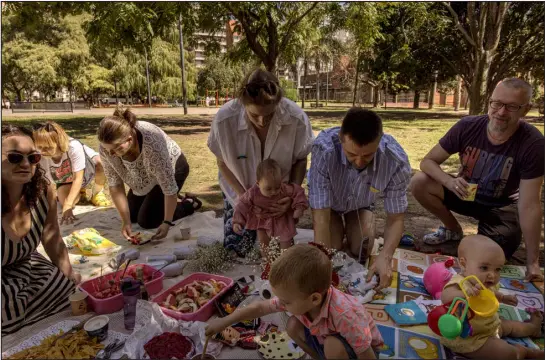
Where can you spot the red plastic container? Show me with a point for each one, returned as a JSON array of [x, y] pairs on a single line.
[[115, 303], [205, 312]]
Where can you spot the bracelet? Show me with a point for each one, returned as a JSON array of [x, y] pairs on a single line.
[[170, 223]]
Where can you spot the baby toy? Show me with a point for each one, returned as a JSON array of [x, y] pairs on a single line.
[[484, 304], [437, 276], [452, 322]]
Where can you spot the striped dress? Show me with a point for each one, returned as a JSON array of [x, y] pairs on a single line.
[[32, 287]]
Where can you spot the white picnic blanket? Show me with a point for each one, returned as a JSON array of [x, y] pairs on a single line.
[[107, 222]]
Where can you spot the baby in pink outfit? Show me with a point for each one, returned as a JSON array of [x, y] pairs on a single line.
[[253, 208]]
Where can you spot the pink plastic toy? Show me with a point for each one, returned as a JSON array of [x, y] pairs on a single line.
[[437, 276]]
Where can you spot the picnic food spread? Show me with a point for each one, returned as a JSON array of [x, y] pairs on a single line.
[[169, 345], [113, 289], [138, 239], [192, 297], [75, 346]]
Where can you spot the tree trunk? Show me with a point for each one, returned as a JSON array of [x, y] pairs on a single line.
[[457, 93], [433, 90], [317, 64], [305, 71], [270, 64], [479, 91], [182, 65], [416, 99], [147, 77], [376, 96], [356, 80], [327, 84], [115, 89], [386, 94], [295, 71]]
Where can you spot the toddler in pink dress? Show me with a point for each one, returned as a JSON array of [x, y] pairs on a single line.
[[253, 210]]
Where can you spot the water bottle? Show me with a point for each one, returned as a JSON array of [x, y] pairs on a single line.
[[131, 293]]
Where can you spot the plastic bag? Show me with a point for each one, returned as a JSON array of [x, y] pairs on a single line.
[[160, 323], [90, 242]]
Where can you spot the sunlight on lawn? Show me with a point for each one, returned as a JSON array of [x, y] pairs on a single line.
[[417, 132]]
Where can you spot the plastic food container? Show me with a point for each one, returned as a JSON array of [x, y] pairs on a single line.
[[115, 303], [206, 311]]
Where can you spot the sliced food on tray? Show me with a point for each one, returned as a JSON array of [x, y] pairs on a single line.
[[192, 297]]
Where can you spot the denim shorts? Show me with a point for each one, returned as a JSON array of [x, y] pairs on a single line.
[[313, 343]]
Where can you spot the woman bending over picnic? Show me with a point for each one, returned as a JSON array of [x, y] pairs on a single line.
[[32, 286], [71, 166], [260, 124], [142, 156]]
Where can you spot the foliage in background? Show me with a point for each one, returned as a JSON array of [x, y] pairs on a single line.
[[220, 75]]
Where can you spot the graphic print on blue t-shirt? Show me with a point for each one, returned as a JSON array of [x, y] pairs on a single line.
[[490, 171]]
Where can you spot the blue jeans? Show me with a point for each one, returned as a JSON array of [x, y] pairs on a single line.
[[241, 244], [315, 345]]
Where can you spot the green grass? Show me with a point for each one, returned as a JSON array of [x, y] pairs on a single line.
[[416, 130]]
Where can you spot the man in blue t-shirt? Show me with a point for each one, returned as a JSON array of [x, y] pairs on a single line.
[[500, 180]]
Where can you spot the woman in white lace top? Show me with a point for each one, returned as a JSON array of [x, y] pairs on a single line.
[[140, 155]]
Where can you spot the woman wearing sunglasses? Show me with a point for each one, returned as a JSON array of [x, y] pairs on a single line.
[[71, 166], [142, 156], [32, 286], [260, 124]]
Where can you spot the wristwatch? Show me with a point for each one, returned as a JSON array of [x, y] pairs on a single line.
[[170, 223]]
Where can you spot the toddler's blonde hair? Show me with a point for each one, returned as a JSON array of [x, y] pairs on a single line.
[[269, 167], [304, 267], [49, 134]]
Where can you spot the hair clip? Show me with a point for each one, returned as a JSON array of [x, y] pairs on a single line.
[[242, 157]]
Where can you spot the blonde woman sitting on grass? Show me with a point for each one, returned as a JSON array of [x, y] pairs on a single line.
[[72, 166]]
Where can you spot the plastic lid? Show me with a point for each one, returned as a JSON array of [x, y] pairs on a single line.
[[450, 326], [130, 287]]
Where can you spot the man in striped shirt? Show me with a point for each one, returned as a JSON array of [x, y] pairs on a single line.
[[350, 166]]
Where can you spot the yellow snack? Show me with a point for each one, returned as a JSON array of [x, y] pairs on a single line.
[[76, 346], [90, 242], [472, 191]]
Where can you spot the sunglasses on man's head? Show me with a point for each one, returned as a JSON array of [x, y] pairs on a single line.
[[268, 86], [39, 126], [16, 158]]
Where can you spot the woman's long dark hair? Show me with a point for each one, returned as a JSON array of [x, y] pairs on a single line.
[[37, 185]]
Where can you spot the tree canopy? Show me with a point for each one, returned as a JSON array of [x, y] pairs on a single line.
[[132, 49]]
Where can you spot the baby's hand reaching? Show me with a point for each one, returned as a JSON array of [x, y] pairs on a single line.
[[510, 300], [214, 326], [472, 287], [237, 228], [297, 213]]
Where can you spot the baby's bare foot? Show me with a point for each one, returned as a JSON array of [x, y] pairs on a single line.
[[534, 354], [536, 319]]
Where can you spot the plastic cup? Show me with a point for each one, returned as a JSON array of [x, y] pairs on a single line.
[[485, 304], [78, 301]]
